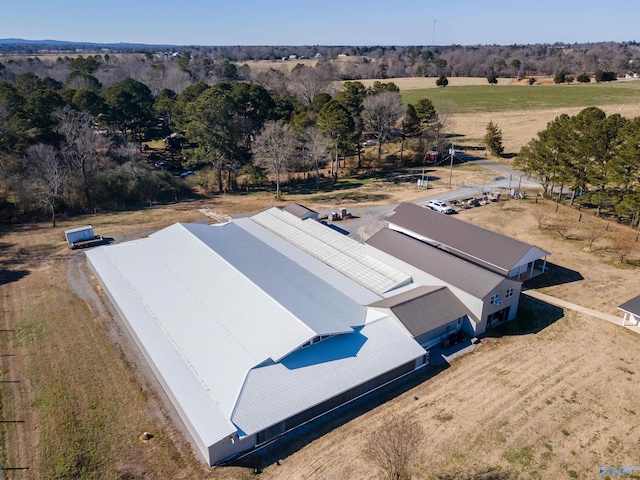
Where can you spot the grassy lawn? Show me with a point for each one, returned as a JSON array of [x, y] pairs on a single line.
[[488, 98]]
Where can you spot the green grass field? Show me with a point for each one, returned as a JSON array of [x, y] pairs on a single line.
[[498, 98]]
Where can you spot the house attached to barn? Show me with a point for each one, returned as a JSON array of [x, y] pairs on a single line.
[[489, 298], [260, 324], [504, 255]]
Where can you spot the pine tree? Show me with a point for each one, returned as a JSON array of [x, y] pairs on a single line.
[[493, 139], [411, 126]]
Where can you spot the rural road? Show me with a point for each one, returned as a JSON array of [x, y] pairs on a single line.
[[369, 219]]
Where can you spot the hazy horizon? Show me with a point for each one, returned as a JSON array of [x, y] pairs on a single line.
[[328, 23]]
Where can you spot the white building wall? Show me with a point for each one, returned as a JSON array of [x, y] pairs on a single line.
[[228, 447], [505, 301], [480, 308]]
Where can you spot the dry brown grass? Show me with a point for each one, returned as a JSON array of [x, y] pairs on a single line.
[[519, 127], [258, 66], [414, 83], [82, 402]]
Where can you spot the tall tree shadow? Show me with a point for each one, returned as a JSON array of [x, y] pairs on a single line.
[[8, 276]]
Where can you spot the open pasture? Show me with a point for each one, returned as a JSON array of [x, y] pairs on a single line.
[[500, 98]]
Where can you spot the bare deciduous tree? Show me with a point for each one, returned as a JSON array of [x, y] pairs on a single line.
[[394, 445], [318, 146], [49, 174], [380, 114], [591, 236], [273, 150], [623, 246], [81, 146], [541, 217], [561, 228], [308, 82]]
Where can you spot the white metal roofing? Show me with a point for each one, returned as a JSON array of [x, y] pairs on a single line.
[[208, 316], [338, 280], [308, 377], [336, 250], [191, 394], [79, 229], [317, 304]]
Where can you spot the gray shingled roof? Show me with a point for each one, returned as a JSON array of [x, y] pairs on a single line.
[[632, 306], [298, 210], [468, 277], [491, 249], [424, 309]]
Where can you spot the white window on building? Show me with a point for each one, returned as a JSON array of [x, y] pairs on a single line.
[[314, 340]]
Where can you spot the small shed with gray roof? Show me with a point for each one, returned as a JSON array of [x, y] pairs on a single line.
[[489, 297], [301, 211], [631, 310], [502, 254], [428, 313]]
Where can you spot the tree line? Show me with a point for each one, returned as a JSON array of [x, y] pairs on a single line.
[[184, 66], [76, 146], [594, 155]]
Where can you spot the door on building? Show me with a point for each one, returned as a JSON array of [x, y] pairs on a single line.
[[497, 317]]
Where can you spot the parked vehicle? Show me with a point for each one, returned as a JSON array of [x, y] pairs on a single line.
[[441, 207]]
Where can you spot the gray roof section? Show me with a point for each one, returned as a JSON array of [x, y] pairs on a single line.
[[459, 273], [632, 306], [317, 304], [336, 250], [307, 377], [425, 308], [492, 249], [298, 210], [339, 281]]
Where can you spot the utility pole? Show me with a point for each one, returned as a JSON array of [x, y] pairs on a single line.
[[452, 152], [433, 38]]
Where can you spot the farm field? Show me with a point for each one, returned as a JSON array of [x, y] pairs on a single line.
[[507, 406], [497, 98], [519, 126]]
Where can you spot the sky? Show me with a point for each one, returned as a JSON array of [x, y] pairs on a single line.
[[322, 22]]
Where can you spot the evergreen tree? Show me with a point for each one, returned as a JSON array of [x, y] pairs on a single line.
[[493, 139], [411, 125]]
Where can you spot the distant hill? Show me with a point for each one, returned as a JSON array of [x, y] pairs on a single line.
[[16, 44]]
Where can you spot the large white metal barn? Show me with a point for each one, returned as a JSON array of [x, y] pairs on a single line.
[[250, 335], [258, 325]]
